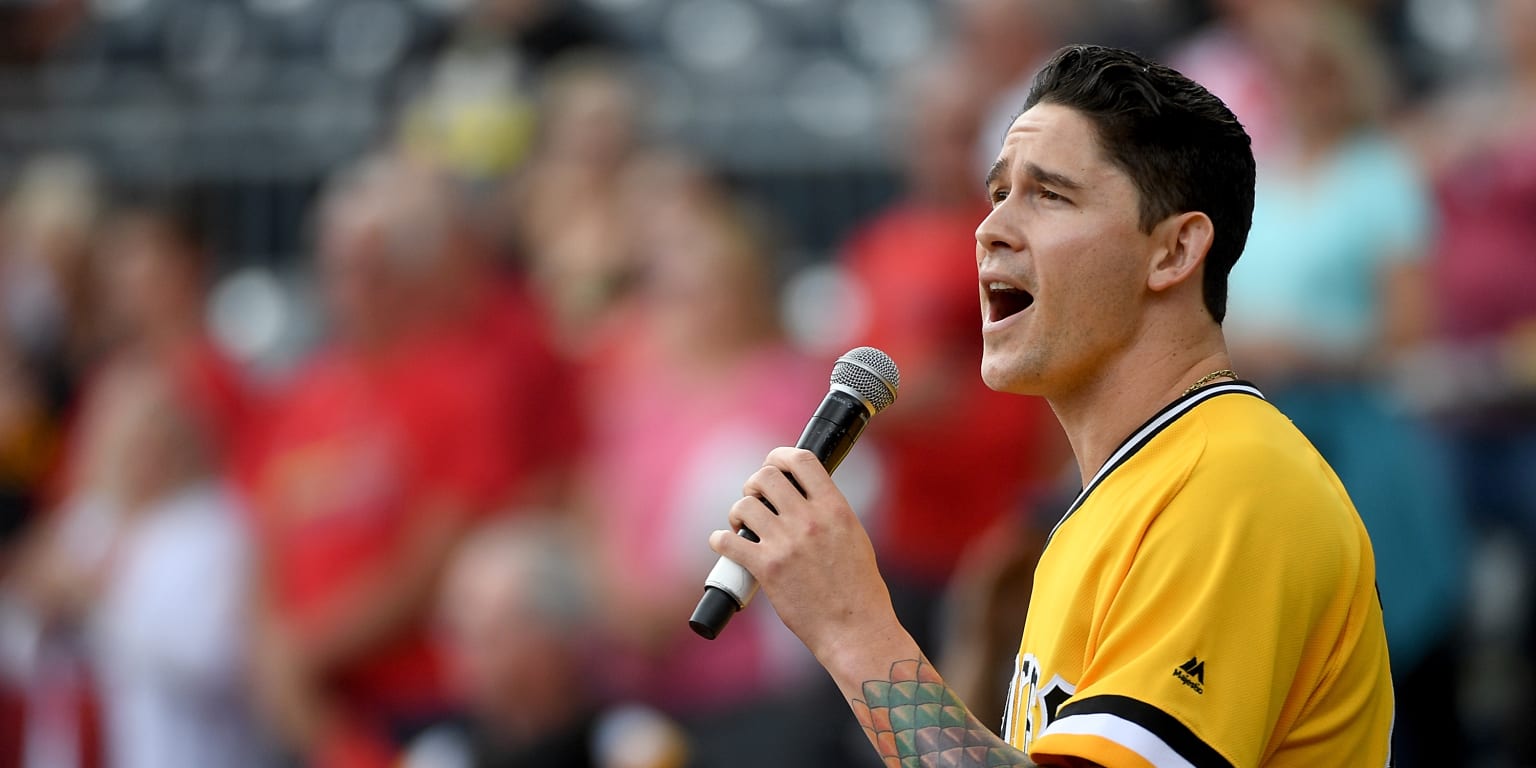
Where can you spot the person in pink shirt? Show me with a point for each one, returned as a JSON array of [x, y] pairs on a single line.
[[690, 379]]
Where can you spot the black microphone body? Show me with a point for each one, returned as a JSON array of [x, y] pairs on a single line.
[[830, 434], [834, 428]]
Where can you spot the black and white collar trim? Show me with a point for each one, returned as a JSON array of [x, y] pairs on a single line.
[[1170, 413]]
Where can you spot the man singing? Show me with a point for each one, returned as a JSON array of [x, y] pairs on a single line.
[[1209, 598]]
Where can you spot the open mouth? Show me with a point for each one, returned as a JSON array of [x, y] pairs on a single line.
[[1005, 301]]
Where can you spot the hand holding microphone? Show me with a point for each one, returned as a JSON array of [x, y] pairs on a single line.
[[864, 381]]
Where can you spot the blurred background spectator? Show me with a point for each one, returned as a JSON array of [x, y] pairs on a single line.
[[137, 581], [1000, 44], [269, 442], [1223, 56], [1333, 288], [397, 437], [518, 618], [565, 204], [688, 379], [1477, 140]]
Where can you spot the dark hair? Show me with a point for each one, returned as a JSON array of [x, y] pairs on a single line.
[[1181, 146]]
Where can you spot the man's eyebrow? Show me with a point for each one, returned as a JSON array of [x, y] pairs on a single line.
[[1051, 178], [995, 172], [1041, 175]]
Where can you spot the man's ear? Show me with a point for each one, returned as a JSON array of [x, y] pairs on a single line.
[[1182, 241]]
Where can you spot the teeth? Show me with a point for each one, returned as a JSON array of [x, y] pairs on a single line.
[[999, 286]]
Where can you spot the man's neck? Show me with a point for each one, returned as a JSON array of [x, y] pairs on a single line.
[[1098, 416]]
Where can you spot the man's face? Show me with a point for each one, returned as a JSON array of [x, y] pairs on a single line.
[[1061, 258], [363, 296]]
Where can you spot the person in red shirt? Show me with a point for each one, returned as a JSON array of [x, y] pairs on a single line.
[[387, 446], [487, 322]]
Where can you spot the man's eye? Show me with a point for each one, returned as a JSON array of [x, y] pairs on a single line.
[[997, 196], [1046, 194]]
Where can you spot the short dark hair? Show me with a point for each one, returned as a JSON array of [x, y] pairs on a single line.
[[1182, 147]]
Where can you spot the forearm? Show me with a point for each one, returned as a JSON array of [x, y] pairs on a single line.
[[285, 692], [395, 596], [367, 618], [912, 717], [816, 563]]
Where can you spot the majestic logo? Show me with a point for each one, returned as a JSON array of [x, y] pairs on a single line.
[[1192, 674]]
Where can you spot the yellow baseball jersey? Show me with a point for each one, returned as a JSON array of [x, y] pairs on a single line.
[[1208, 600]]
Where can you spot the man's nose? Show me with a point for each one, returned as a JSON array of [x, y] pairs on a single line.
[[999, 232]]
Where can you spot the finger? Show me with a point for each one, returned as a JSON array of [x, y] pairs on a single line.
[[804, 467], [771, 484], [750, 512], [750, 488]]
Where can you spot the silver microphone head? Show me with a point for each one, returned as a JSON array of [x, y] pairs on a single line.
[[870, 375]]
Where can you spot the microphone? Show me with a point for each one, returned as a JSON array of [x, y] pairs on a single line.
[[864, 383]]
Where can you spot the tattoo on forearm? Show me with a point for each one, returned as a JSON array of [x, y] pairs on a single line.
[[915, 721]]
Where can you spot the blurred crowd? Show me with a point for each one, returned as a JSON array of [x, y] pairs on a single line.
[[466, 526]]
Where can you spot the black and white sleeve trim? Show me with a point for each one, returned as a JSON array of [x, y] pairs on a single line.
[[1158, 737]]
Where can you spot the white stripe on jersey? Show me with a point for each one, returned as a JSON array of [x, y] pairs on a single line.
[[1123, 732]]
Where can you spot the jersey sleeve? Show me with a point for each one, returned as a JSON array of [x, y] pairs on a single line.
[[1195, 647]]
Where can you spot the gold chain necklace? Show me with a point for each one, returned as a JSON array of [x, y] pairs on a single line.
[[1210, 377]]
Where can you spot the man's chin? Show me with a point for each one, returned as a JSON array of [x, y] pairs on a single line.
[[1004, 378]]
